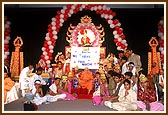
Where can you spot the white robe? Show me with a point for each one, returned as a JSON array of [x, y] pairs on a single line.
[[34, 78], [24, 79], [51, 98], [125, 103]]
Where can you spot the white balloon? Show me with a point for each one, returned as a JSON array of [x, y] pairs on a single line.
[[53, 23], [53, 28], [107, 8], [162, 37], [51, 51], [46, 57], [49, 43], [43, 48], [47, 38], [61, 16], [106, 16], [44, 53], [5, 56], [48, 61], [112, 25], [7, 53], [160, 34], [126, 44], [110, 21], [114, 32], [161, 22], [6, 41], [51, 47], [92, 9], [83, 5], [72, 7], [47, 34], [71, 11], [62, 11], [162, 52], [119, 48], [95, 8], [53, 19], [123, 41], [118, 24], [99, 7], [54, 32], [119, 39], [104, 7], [8, 22], [8, 38], [55, 37], [62, 20], [102, 15], [6, 26], [116, 36], [110, 17], [61, 24], [160, 48]]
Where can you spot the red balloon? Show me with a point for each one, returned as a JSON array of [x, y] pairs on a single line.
[[45, 45], [123, 46], [119, 43], [161, 56], [117, 28], [122, 36], [50, 58], [115, 40], [115, 21], [119, 31]]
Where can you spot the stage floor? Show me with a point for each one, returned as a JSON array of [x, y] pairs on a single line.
[[59, 106]]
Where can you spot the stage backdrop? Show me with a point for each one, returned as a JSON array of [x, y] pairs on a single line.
[[139, 25]]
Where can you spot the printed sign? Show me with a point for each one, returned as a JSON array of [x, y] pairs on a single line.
[[85, 57]]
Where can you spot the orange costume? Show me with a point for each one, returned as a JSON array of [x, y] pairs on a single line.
[[8, 84], [86, 80]]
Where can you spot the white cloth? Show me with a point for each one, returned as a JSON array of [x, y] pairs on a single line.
[[39, 100], [34, 78], [125, 102], [124, 68], [12, 95], [122, 87], [53, 88], [24, 79], [51, 98]]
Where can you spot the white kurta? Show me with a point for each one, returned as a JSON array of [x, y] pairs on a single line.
[[125, 103], [34, 78], [51, 98], [24, 79]]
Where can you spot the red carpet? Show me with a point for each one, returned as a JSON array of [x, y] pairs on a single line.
[[82, 93]]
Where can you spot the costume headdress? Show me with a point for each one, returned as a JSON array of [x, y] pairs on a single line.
[[143, 78]]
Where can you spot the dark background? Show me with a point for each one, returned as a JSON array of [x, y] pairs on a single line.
[[139, 25]]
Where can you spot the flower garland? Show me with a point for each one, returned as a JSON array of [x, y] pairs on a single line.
[[161, 39], [6, 37], [67, 11]]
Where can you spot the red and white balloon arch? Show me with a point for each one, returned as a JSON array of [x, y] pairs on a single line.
[[65, 13], [6, 38], [161, 39]]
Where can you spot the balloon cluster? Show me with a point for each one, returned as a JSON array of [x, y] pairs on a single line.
[[67, 11], [161, 39], [6, 38]]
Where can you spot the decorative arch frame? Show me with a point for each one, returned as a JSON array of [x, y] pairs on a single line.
[[65, 13]]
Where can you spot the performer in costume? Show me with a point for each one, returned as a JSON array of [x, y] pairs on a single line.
[[147, 96]]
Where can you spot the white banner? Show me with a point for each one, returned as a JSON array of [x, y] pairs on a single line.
[[85, 57]]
